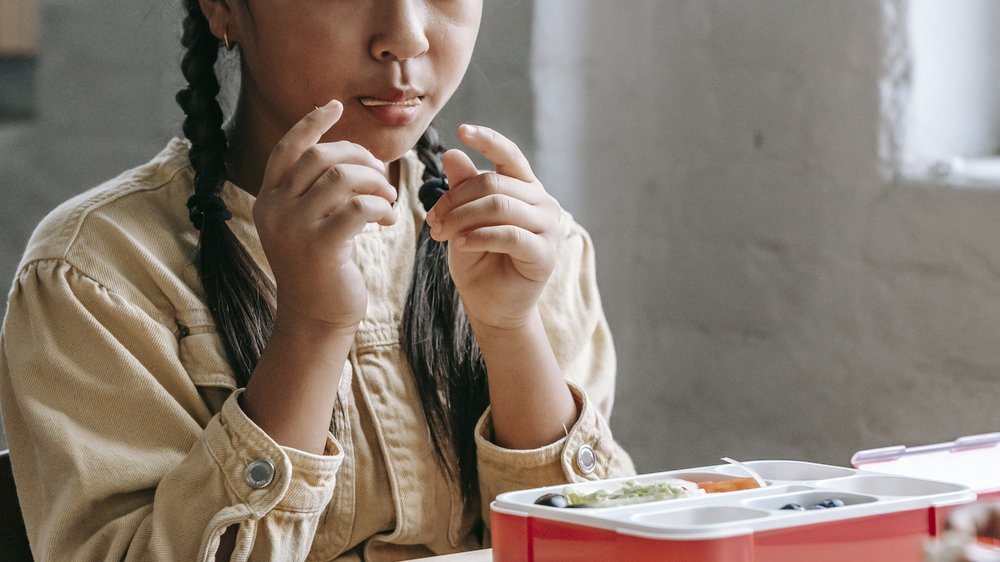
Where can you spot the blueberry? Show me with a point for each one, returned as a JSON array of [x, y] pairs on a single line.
[[831, 502], [552, 500], [794, 506]]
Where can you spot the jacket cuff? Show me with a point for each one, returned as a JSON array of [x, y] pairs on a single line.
[[585, 452], [299, 481]]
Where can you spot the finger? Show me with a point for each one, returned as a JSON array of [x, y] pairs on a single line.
[[484, 185], [505, 155], [340, 182], [301, 136], [459, 168], [492, 210], [317, 160], [351, 217], [525, 248]]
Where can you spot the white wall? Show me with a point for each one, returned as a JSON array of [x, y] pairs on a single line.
[[773, 294]]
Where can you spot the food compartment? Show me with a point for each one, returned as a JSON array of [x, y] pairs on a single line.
[[698, 516], [809, 500], [584, 488], [789, 470], [698, 477], [608, 496], [646, 489], [717, 483], [892, 486]]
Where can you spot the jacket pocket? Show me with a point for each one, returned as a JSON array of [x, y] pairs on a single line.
[[204, 359]]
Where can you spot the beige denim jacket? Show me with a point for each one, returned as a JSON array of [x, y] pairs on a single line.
[[126, 438]]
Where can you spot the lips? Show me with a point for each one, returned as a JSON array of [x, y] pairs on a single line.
[[375, 102], [393, 107]]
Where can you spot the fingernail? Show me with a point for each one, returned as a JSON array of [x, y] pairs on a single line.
[[460, 240], [470, 130]]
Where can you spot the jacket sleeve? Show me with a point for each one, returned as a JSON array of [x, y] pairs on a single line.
[[577, 329], [117, 457]]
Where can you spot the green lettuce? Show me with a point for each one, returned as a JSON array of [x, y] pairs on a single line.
[[635, 492]]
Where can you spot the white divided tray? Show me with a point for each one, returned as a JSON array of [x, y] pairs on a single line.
[[744, 512]]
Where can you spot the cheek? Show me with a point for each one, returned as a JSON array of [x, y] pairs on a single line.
[[456, 36], [272, 59], [302, 71], [454, 53]]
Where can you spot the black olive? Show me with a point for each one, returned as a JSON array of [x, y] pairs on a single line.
[[831, 502], [794, 506], [552, 500]]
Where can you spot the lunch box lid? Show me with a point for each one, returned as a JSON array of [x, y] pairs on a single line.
[[973, 460]]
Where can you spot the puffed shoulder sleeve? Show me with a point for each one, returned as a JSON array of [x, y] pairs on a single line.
[[117, 457], [578, 331]]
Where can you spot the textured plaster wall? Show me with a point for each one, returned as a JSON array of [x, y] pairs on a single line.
[[774, 290]]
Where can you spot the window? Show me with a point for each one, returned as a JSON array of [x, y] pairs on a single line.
[[953, 120]]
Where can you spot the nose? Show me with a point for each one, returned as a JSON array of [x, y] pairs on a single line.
[[402, 32]]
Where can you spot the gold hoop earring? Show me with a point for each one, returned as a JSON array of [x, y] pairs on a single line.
[[225, 39]]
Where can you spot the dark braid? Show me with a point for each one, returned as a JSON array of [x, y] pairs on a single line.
[[440, 346], [239, 294]]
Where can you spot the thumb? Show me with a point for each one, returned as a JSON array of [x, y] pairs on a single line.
[[458, 167]]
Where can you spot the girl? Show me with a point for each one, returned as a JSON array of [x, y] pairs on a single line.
[[259, 344]]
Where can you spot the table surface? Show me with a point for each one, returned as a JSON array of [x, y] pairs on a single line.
[[471, 556]]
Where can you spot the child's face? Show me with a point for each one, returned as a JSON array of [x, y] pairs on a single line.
[[298, 54]]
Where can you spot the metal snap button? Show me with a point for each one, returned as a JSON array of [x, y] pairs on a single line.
[[259, 473], [586, 459]]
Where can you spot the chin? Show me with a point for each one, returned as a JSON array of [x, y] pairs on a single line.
[[388, 154], [391, 150]]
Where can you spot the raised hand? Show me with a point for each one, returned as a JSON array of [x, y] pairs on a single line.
[[502, 230], [315, 197]]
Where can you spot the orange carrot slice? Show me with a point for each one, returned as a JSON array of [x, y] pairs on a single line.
[[730, 485]]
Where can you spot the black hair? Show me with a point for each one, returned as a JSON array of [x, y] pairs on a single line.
[[435, 334], [438, 341], [239, 294]]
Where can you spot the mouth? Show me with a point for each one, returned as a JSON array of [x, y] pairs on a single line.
[[375, 102], [393, 108]]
